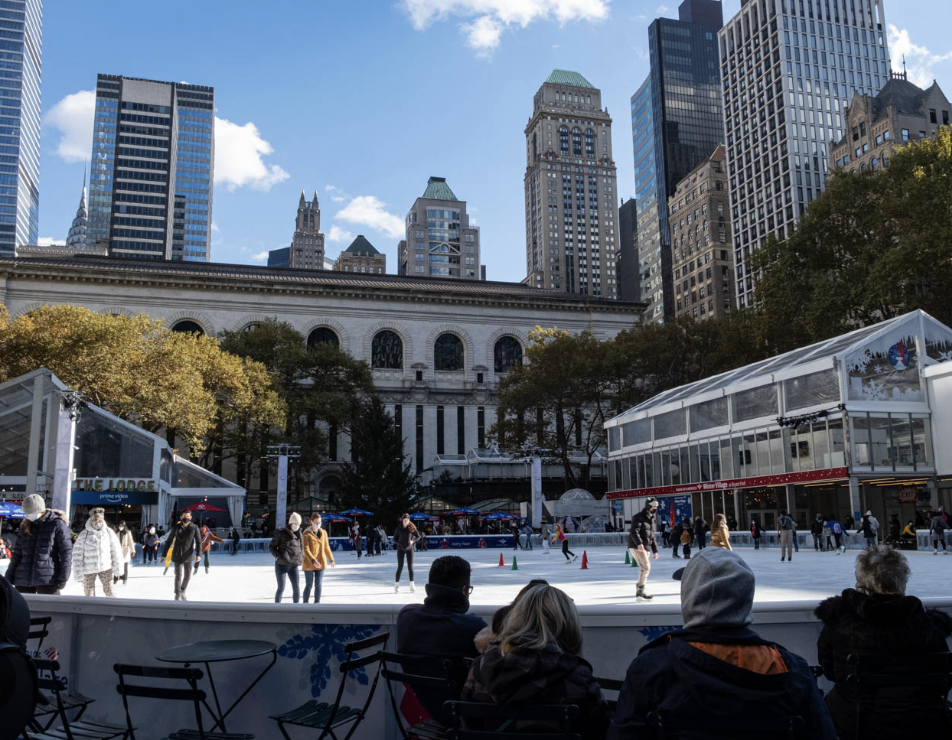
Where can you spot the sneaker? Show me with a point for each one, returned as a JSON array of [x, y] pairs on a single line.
[[412, 588], [396, 588], [640, 594]]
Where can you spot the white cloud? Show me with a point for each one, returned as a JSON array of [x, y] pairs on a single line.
[[214, 226], [920, 61], [239, 157], [259, 257], [338, 234], [49, 241], [662, 9], [369, 211], [337, 195], [73, 118], [482, 22]]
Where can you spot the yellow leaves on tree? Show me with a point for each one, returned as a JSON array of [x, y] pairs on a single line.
[[138, 370]]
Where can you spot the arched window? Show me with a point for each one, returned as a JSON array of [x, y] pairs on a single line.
[[506, 354], [589, 143], [576, 142], [448, 353], [187, 326], [564, 140], [251, 327], [386, 351], [323, 335]]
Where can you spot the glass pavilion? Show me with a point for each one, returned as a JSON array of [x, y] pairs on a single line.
[[834, 428]]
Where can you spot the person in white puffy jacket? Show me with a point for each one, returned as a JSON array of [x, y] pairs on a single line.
[[96, 554]]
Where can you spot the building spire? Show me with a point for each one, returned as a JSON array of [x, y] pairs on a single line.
[[77, 232]]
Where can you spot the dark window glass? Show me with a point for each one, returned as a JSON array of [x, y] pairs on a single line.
[[507, 353], [386, 351], [448, 353], [322, 334]]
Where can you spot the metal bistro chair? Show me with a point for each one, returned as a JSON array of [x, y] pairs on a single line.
[[931, 673], [670, 727], [71, 700], [68, 730], [614, 685], [191, 676], [443, 676], [506, 718], [319, 715]]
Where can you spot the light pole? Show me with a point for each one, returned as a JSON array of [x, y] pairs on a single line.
[[282, 453]]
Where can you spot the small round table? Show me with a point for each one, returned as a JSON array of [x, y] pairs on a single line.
[[221, 651]]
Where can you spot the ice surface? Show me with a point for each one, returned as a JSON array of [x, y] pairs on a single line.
[[249, 578]]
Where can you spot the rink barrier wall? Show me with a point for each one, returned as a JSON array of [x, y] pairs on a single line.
[[90, 635]]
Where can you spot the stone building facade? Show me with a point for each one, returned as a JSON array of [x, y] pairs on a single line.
[[699, 214], [361, 256], [437, 347], [570, 189], [875, 126]]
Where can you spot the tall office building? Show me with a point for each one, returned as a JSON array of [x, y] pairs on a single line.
[[629, 276], [307, 245], [676, 122], [152, 171], [440, 240], [21, 50], [570, 189], [789, 70]]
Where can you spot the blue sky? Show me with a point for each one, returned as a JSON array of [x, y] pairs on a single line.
[[364, 100]]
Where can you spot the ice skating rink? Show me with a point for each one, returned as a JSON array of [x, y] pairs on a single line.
[[249, 578]]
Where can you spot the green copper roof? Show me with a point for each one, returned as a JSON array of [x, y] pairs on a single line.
[[361, 246], [437, 189], [564, 77]]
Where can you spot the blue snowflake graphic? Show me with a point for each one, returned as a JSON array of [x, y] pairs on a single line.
[[323, 644], [653, 633]]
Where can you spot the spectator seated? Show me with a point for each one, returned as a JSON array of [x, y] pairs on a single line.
[[717, 670]]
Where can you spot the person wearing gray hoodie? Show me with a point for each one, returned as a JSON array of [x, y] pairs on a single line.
[[715, 666]]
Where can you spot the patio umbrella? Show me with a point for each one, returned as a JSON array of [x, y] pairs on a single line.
[[497, 516], [201, 506], [10, 510], [330, 516], [463, 512], [357, 512]]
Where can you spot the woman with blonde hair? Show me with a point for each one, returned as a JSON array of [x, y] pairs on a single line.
[[720, 534], [537, 660], [564, 541]]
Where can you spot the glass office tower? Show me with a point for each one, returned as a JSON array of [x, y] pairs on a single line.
[[789, 70], [683, 99], [21, 41], [151, 178]]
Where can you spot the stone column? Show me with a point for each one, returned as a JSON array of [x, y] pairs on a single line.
[[33, 448], [855, 499]]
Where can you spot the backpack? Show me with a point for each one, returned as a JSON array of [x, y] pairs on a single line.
[[837, 529]]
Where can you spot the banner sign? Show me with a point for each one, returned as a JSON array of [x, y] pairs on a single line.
[[674, 509], [724, 485], [115, 498], [908, 494], [142, 485]]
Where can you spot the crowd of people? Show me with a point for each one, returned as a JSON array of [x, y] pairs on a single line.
[[714, 667]]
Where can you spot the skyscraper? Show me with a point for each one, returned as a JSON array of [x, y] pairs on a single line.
[[21, 52], [76, 238], [307, 245], [570, 189], [676, 121], [789, 70], [629, 277], [152, 172], [440, 240]]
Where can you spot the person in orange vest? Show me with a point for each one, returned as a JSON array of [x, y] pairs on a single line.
[[207, 539]]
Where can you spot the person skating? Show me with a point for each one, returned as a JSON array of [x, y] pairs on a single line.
[[665, 531], [516, 536], [674, 537], [405, 536], [235, 539], [700, 532], [785, 531], [755, 533], [527, 533], [937, 529], [687, 537], [207, 539], [150, 546], [867, 529], [380, 545], [355, 539], [128, 546], [287, 549], [816, 529], [317, 556], [40, 561], [183, 546], [720, 534], [837, 529], [544, 532], [640, 539], [97, 553], [561, 537]]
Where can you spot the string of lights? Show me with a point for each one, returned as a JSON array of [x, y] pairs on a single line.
[[798, 421]]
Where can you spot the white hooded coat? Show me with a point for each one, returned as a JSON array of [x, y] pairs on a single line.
[[95, 551]]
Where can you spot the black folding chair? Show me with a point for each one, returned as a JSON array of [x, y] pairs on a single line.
[[48, 680], [931, 673], [611, 685], [71, 700], [191, 677], [469, 721], [670, 726], [440, 678], [319, 715]]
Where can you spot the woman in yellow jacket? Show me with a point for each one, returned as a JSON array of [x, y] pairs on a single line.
[[720, 534], [317, 556]]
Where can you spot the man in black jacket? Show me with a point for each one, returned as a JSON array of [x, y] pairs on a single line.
[[185, 542], [640, 538], [441, 626]]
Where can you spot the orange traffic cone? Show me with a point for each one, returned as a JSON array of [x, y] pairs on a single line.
[[584, 560], [502, 563]]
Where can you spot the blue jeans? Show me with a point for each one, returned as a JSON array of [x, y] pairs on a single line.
[[313, 578], [280, 571]]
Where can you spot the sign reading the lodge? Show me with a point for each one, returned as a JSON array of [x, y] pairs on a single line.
[[116, 491], [721, 485]]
